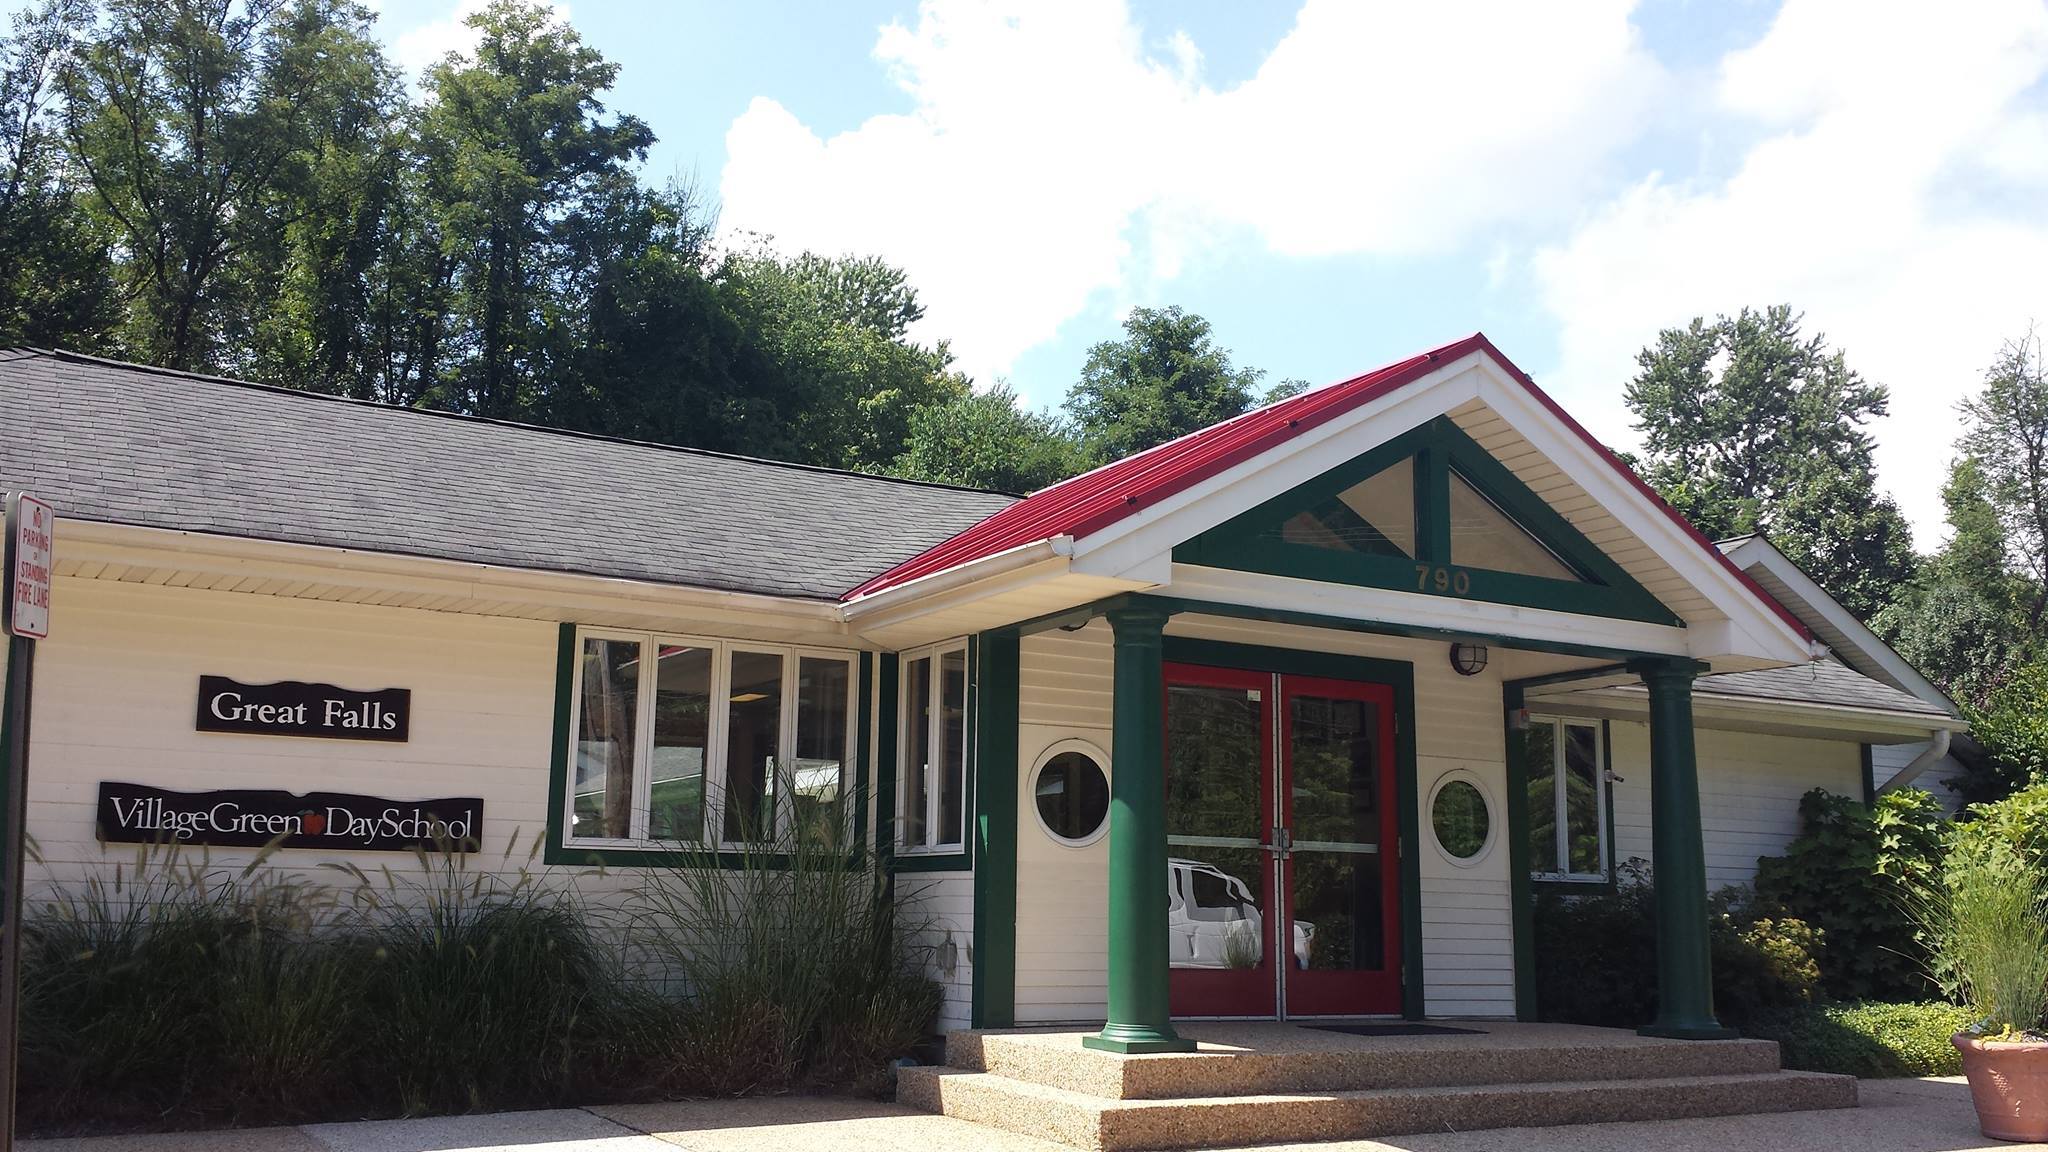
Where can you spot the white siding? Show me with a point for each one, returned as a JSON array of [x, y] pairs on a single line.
[[1467, 926], [1887, 759], [117, 683], [1062, 891], [940, 905], [1750, 785]]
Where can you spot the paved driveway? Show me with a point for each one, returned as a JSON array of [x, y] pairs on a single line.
[[1896, 1116]]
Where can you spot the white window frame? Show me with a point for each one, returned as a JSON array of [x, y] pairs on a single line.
[[1558, 795], [715, 740], [935, 689]]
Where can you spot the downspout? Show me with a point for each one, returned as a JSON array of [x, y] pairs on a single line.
[[1935, 750]]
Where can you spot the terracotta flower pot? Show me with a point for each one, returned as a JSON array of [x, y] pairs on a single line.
[[2009, 1085]]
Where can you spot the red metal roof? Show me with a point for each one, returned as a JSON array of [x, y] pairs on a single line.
[[1092, 501]]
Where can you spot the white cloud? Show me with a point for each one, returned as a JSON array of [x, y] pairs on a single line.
[[1051, 156], [422, 45], [1897, 204]]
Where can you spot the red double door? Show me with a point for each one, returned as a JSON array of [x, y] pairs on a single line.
[[1282, 883]]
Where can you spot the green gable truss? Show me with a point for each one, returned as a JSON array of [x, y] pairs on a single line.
[[1429, 511]]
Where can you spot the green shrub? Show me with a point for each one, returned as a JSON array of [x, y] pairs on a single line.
[[1849, 874], [2019, 822], [171, 991], [1596, 956], [794, 964], [1870, 1040], [1986, 919]]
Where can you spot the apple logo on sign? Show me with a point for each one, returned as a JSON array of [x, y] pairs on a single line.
[[313, 823]]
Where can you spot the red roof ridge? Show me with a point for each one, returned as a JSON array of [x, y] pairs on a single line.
[[1085, 504]]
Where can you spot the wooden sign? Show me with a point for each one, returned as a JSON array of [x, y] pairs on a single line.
[[251, 818], [293, 708]]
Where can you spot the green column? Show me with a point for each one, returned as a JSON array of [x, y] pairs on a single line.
[[1685, 972], [1139, 1018]]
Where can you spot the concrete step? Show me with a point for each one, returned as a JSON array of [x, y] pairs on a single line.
[[1309, 1061], [1093, 1122]]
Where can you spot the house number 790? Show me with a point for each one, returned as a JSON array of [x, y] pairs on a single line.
[[1433, 578]]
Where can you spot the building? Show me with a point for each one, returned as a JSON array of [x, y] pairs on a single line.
[[1289, 717]]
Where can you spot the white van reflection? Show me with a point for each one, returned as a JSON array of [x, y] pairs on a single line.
[[1212, 921]]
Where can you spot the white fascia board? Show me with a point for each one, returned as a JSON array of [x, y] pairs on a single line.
[[1138, 539], [93, 541], [1757, 631], [1476, 618], [1631, 701], [1006, 571], [1759, 552]]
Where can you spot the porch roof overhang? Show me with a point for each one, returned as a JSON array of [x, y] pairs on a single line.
[[1113, 531], [1804, 718]]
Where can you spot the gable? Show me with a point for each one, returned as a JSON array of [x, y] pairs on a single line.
[[1429, 511]]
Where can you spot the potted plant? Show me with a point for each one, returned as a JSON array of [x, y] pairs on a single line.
[[1986, 920]]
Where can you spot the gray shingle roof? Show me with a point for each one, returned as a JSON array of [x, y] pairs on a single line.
[[1821, 682], [132, 445]]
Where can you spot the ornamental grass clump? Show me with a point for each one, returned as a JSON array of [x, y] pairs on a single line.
[[788, 961], [1986, 923]]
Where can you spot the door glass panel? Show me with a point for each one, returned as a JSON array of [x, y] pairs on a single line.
[[1582, 797], [917, 749], [1483, 536], [1216, 875], [682, 731], [1335, 765], [1214, 768], [1375, 515], [1338, 912], [1333, 758]]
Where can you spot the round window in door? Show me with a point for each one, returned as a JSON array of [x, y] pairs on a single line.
[[1071, 793], [1461, 819]]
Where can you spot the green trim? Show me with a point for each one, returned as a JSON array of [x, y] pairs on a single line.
[[1397, 674], [1520, 883], [1869, 776], [1138, 1016], [864, 731], [888, 714], [1246, 542], [994, 1001], [554, 851]]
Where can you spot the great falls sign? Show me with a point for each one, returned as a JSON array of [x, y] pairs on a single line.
[[251, 818], [294, 708]]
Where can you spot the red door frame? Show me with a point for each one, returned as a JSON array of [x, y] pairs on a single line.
[[1225, 991], [1349, 993], [1254, 992]]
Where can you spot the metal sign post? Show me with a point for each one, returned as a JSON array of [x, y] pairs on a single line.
[[27, 568]]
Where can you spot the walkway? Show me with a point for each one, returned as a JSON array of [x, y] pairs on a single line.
[[1896, 1116]]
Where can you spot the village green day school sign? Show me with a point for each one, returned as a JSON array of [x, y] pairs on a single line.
[[247, 818]]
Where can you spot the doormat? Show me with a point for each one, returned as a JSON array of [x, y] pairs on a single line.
[[1396, 1030]]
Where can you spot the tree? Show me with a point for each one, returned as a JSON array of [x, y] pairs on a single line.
[[984, 440], [2005, 441], [517, 156], [56, 266], [1750, 427], [194, 120], [1166, 378], [1962, 623]]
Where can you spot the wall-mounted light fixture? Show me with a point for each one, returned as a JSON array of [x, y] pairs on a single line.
[[1468, 659]]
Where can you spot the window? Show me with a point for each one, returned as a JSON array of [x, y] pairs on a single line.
[[738, 740], [1071, 792], [1567, 799], [1483, 536], [932, 778], [1460, 819], [1375, 515]]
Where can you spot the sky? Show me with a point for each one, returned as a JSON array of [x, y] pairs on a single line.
[[1336, 184]]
